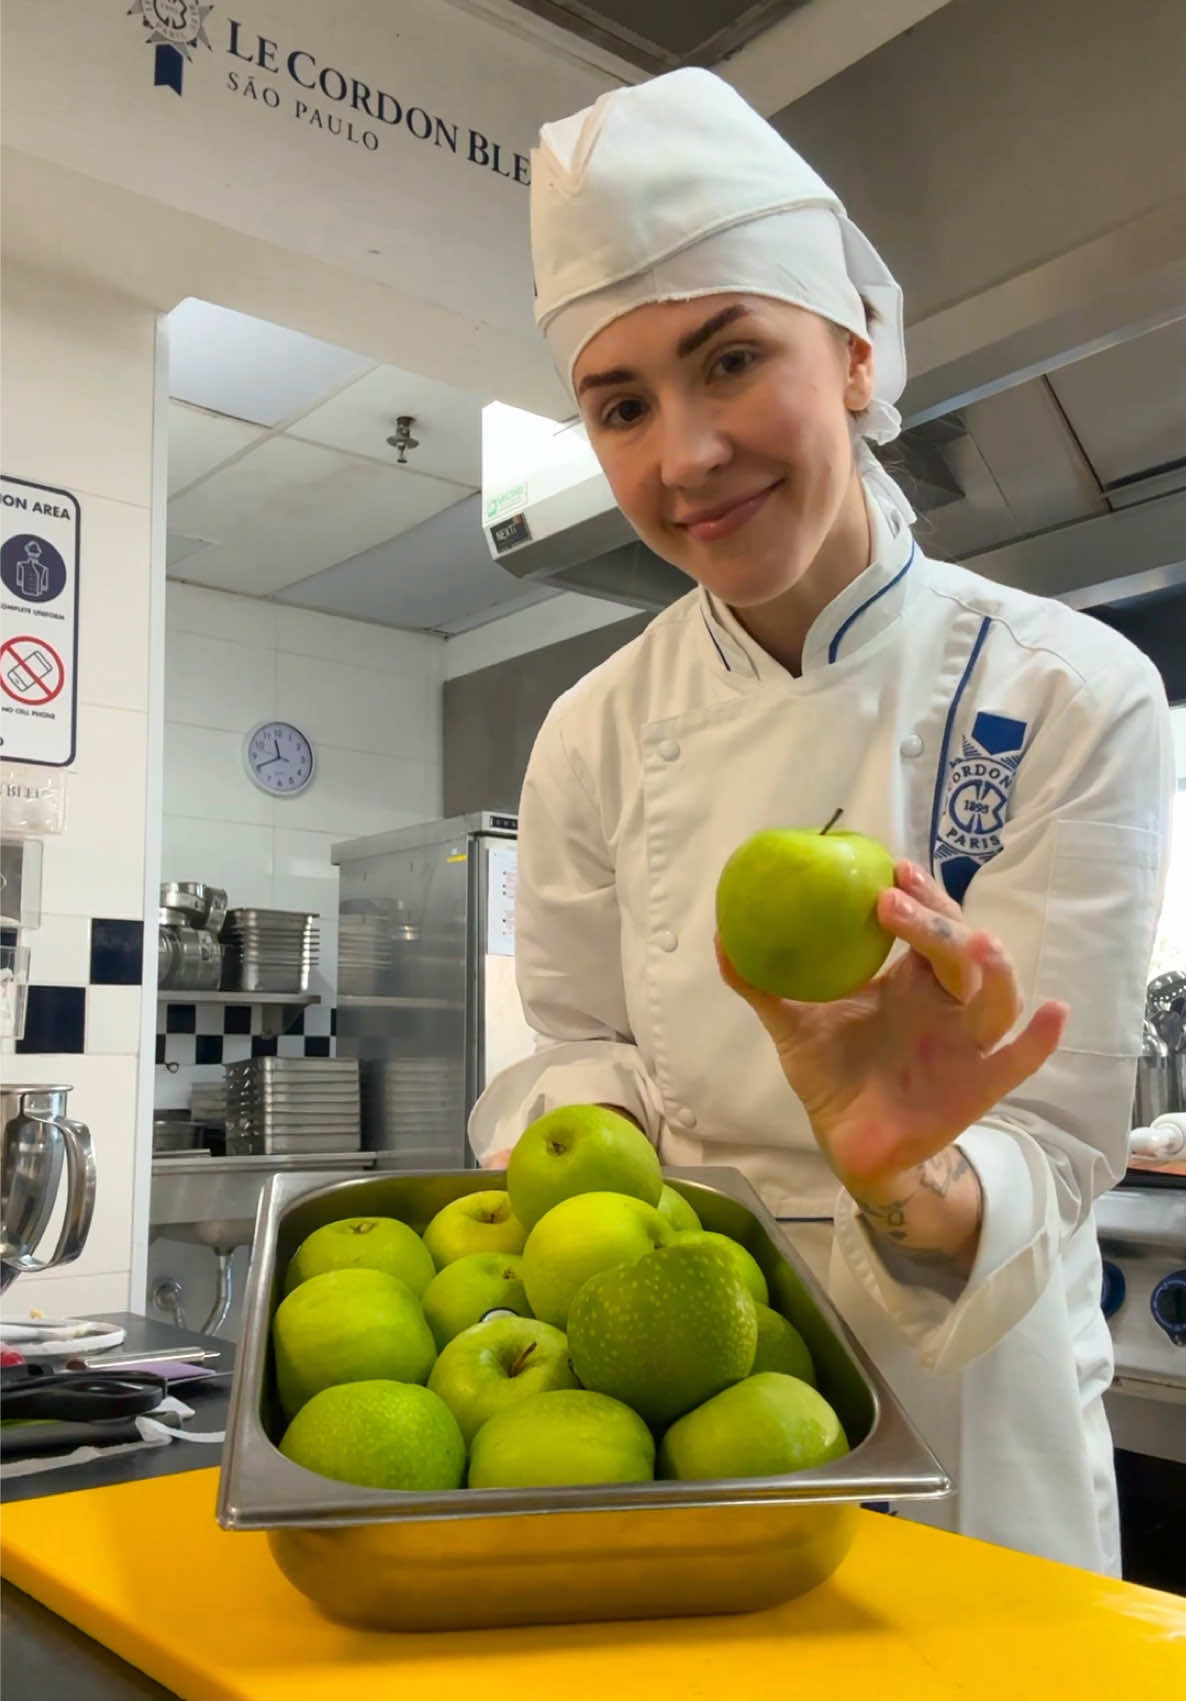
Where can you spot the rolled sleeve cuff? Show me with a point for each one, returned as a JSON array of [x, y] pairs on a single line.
[[1019, 1238]]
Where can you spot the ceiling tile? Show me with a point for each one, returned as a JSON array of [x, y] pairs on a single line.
[[179, 548], [200, 441], [287, 510], [448, 423], [432, 577], [234, 364]]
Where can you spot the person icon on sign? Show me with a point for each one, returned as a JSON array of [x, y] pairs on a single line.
[[32, 573]]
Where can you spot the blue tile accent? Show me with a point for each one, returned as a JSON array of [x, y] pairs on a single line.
[[117, 952], [55, 1020]]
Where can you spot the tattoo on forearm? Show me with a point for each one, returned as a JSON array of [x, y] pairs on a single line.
[[938, 1175]]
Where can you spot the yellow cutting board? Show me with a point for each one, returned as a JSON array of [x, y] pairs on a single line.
[[912, 1612]]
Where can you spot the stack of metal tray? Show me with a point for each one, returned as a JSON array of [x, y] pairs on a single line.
[[292, 1104], [269, 950], [365, 953]]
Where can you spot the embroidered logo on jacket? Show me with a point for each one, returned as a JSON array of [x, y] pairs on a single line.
[[976, 801]]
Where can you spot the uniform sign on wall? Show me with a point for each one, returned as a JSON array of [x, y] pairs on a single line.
[[38, 623]]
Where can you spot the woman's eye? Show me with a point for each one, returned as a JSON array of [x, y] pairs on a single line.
[[624, 413], [732, 363]]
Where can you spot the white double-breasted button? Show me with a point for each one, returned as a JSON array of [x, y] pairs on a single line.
[[684, 1117], [666, 940], [669, 749], [911, 745]]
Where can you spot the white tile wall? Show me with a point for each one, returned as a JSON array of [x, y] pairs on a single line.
[[78, 408], [369, 698]]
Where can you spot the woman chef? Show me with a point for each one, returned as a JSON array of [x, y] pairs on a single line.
[[732, 341]]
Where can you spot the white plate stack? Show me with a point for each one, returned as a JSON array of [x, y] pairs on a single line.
[[293, 1104], [269, 950]]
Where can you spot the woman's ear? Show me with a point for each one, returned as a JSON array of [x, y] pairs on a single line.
[[858, 383]]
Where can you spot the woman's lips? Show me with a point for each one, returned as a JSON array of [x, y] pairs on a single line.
[[722, 522]]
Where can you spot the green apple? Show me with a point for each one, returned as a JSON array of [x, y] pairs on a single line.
[[578, 1237], [781, 1347], [582, 1148], [675, 1208], [743, 1262], [562, 1438], [797, 912], [390, 1435], [463, 1292], [497, 1363], [766, 1426], [477, 1222], [665, 1333], [348, 1326], [369, 1243]]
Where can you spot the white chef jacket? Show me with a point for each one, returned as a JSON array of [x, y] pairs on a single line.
[[1020, 750]]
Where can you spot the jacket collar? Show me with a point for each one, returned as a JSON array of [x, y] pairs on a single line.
[[860, 613]]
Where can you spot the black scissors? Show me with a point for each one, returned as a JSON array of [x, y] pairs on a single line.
[[36, 1391]]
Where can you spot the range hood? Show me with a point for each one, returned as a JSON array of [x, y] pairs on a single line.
[[549, 515]]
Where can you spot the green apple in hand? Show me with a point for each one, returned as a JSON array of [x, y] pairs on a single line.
[[497, 1363], [665, 1333], [743, 1262], [766, 1426], [477, 1222], [781, 1347], [371, 1243], [391, 1435], [562, 1438], [348, 1326], [581, 1148], [578, 1237], [676, 1209], [463, 1292], [797, 911]]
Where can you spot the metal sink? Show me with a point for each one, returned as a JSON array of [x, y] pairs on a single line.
[[212, 1201]]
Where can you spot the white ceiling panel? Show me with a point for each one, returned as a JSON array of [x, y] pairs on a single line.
[[200, 441], [289, 509], [433, 578], [360, 418], [234, 364]]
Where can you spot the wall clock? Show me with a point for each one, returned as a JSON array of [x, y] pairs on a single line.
[[280, 758]]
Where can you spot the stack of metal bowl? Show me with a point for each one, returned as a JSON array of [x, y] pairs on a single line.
[[269, 950], [189, 956]]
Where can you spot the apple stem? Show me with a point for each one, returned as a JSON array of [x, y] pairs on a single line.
[[361, 1228], [831, 823], [519, 1363]]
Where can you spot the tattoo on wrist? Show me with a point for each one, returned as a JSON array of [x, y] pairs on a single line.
[[938, 1175]]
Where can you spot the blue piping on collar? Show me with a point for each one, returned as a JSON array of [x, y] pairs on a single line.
[[834, 646], [716, 646]]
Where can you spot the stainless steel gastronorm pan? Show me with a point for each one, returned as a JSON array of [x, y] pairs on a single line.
[[476, 1558]]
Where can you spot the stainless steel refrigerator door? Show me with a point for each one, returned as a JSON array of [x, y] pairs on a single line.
[[499, 1031], [410, 1037]]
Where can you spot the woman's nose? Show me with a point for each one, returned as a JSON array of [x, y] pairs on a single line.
[[692, 447]]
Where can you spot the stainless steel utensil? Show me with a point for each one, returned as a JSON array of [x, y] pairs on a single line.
[[186, 896], [471, 1558], [36, 1136]]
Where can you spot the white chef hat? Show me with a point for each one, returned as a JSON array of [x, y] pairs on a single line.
[[677, 188]]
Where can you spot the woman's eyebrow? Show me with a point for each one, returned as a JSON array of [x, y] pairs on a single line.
[[688, 344]]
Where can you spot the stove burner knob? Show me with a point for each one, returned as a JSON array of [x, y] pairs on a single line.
[[1112, 1294], [1168, 1306]]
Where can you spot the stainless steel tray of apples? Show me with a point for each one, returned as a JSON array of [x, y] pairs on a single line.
[[467, 1400]]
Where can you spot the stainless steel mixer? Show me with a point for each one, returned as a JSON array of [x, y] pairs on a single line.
[[36, 1139]]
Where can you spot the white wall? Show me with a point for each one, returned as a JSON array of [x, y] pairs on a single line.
[[368, 697], [78, 412], [563, 616]]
